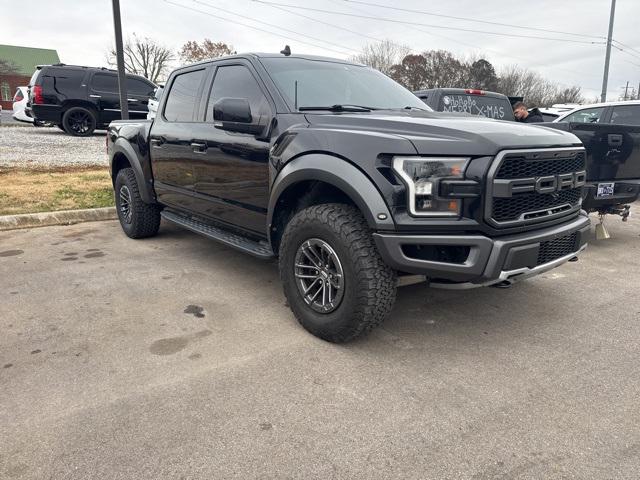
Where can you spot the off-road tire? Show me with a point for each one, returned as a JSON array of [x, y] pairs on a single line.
[[369, 284], [69, 119], [144, 218]]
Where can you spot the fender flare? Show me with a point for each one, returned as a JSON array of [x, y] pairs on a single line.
[[122, 146], [342, 175]]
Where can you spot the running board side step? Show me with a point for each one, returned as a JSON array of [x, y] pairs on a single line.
[[252, 247]]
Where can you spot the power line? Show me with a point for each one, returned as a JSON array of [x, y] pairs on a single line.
[[251, 26], [625, 51], [466, 19], [269, 24], [626, 46], [391, 20], [527, 61]]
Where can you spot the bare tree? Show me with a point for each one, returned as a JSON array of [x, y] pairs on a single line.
[[144, 56], [382, 55], [192, 51], [432, 69]]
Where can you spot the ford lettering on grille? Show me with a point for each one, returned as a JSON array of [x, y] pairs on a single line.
[[532, 186], [548, 184]]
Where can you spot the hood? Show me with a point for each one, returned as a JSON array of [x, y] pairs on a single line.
[[447, 133]]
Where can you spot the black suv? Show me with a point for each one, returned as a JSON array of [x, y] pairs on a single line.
[[81, 99]]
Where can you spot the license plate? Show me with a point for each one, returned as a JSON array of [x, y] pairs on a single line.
[[605, 189]]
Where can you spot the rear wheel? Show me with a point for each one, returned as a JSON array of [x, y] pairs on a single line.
[[335, 281], [79, 121], [137, 218]]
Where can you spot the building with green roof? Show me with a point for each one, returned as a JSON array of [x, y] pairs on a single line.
[[17, 64]]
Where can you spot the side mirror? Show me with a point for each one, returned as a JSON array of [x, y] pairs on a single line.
[[234, 115]]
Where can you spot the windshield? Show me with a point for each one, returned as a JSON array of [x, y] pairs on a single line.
[[323, 84]]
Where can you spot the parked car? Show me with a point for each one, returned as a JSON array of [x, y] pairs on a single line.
[[81, 99], [153, 102], [350, 181], [468, 100], [594, 112], [610, 133], [19, 105]]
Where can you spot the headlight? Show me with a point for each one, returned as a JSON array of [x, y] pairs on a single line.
[[421, 176]]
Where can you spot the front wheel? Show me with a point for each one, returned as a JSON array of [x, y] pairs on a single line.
[[137, 218], [335, 281]]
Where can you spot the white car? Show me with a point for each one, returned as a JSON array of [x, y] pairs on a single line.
[[19, 104], [609, 112], [153, 103]]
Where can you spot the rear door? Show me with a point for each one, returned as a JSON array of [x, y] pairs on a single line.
[[172, 155], [623, 140]]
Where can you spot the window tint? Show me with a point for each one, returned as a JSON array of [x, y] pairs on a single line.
[[626, 114], [104, 82], [136, 86], [587, 115], [65, 79], [183, 97], [236, 81]]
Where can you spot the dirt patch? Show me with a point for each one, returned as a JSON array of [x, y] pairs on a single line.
[[46, 190]]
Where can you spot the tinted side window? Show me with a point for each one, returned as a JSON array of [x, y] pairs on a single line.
[[104, 82], [183, 96], [626, 115], [236, 81], [135, 86], [587, 115], [65, 79]]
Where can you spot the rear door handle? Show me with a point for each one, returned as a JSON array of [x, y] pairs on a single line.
[[199, 147], [95, 96], [614, 139], [156, 142], [132, 100]]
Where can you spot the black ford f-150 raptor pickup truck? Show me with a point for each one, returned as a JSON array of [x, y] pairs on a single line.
[[610, 134], [351, 181]]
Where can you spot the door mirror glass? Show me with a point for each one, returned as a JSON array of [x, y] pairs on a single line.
[[234, 115], [232, 110]]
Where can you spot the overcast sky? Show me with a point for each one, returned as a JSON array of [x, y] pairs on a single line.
[[82, 30]]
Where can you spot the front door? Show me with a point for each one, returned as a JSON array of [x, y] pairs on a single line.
[[231, 168], [103, 92]]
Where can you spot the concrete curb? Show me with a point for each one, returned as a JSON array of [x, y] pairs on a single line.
[[63, 217]]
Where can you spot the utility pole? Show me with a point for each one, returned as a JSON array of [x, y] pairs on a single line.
[[122, 78], [626, 89], [607, 57]]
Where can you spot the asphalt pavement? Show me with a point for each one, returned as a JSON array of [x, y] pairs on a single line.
[[177, 358], [6, 118]]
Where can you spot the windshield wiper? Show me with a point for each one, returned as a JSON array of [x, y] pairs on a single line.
[[340, 108]]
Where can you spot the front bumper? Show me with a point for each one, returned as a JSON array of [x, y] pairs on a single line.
[[490, 260]]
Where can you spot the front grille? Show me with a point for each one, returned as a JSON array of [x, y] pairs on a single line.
[[509, 209], [558, 248], [514, 188], [520, 167]]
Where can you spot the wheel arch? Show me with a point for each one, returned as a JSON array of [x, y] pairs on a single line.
[[123, 156], [320, 178]]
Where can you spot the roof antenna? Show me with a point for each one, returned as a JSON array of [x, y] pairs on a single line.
[[287, 51]]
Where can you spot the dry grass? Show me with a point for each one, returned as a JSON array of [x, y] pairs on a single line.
[[33, 190]]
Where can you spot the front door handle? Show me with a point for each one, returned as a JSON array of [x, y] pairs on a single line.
[[95, 96], [614, 139], [199, 147], [131, 100]]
